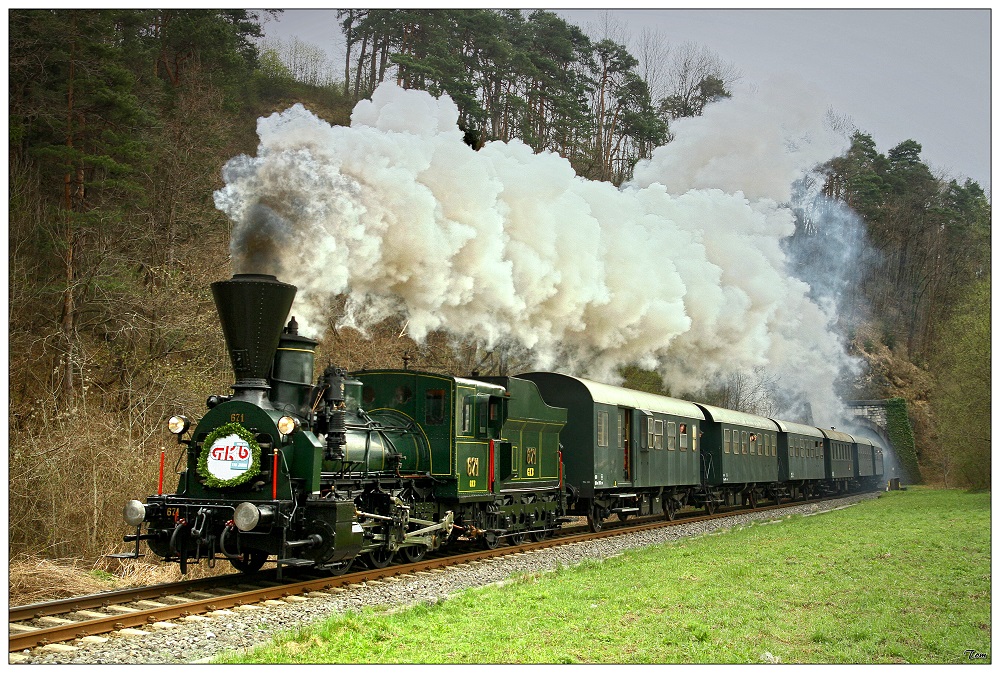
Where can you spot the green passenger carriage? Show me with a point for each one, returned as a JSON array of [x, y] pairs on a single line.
[[800, 458], [626, 451], [864, 458], [740, 459], [838, 451]]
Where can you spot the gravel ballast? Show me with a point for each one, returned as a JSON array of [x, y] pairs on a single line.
[[200, 639]]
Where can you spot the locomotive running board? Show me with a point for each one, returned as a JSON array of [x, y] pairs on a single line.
[[295, 562]]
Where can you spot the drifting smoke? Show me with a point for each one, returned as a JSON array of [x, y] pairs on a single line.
[[681, 270]]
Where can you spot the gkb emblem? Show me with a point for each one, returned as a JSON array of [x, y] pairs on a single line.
[[229, 457]]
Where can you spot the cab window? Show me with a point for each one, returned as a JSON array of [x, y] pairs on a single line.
[[434, 407], [467, 415]]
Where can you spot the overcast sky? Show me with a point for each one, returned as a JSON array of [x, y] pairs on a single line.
[[897, 74]]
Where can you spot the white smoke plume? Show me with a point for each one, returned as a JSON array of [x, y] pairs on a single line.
[[681, 271]]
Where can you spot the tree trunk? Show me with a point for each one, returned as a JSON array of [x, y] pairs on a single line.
[[68, 300]]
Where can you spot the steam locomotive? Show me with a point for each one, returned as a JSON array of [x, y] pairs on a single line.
[[376, 465]]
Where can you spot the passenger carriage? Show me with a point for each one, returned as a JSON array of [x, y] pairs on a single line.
[[626, 452], [740, 461], [800, 459], [838, 460]]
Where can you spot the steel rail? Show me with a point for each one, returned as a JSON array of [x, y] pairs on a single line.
[[61, 633]]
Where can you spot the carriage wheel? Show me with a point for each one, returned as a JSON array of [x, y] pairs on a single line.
[[595, 518], [670, 509]]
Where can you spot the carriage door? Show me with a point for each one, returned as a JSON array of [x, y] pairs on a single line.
[[625, 440]]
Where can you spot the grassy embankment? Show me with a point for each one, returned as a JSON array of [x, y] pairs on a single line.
[[905, 578]]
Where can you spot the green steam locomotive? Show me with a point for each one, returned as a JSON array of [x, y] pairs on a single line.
[[368, 466], [387, 464]]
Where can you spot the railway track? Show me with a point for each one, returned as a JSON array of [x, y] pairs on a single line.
[[155, 607]]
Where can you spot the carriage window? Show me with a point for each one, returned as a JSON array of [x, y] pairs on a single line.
[[753, 444], [621, 428], [602, 428], [671, 436], [684, 436], [434, 407], [657, 434], [746, 442], [694, 437], [725, 444]]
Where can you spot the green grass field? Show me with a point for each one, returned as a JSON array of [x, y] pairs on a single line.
[[905, 578]]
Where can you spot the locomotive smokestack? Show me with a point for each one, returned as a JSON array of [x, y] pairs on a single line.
[[252, 309]]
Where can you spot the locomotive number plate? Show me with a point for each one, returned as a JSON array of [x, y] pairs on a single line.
[[173, 513]]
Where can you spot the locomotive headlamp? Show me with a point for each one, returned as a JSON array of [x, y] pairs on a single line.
[[134, 513], [248, 516], [287, 425], [178, 424]]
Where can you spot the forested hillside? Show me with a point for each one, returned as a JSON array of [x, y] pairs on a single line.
[[120, 121]]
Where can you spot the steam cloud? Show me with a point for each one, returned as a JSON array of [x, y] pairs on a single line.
[[682, 270]]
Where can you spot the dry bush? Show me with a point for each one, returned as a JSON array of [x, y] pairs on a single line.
[[33, 579]]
